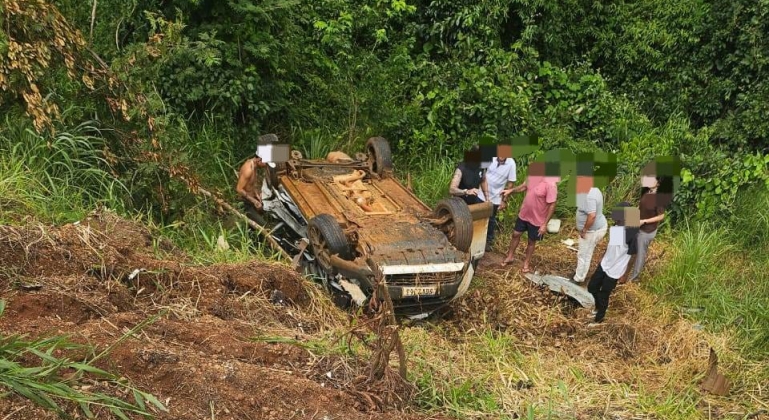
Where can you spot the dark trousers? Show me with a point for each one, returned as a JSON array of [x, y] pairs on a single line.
[[601, 286], [492, 225]]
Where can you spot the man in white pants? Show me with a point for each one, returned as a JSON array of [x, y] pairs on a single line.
[[500, 175], [591, 224]]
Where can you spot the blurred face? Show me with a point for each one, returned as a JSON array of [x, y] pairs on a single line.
[[649, 181], [626, 216], [504, 151], [258, 161], [584, 184], [537, 169]]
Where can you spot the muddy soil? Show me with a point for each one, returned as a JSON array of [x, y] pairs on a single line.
[[209, 354]]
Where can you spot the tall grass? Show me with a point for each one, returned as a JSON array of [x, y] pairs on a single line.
[[430, 179], [208, 242], [721, 272], [57, 178]]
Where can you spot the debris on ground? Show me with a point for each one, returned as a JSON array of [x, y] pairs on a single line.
[[564, 286], [715, 382]]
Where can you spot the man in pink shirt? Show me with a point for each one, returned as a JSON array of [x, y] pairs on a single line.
[[537, 208]]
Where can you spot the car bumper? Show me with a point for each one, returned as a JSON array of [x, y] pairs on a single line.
[[445, 286]]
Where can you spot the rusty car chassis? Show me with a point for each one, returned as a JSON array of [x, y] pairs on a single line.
[[351, 224]]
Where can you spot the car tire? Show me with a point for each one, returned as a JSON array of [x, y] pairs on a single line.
[[327, 238], [459, 228], [380, 155]]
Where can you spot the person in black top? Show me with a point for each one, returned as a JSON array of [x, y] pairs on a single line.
[[468, 181]]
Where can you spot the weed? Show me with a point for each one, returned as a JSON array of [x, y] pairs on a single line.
[[715, 274], [57, 178], [55, 379]]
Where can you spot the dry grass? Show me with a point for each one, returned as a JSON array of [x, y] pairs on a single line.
[[514, 350], [507, 348]]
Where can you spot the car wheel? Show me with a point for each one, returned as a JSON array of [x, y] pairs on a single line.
[[327, 238], [459, 227], [379, 154]]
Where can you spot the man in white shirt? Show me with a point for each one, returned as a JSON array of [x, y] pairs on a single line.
[[616, 258], [591, 224], [500, 175]]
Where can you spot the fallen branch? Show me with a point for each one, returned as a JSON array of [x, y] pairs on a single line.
[[387, 332], [259, 228]]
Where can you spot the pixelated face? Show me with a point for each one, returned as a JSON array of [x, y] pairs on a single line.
[[473, 157], [584, 183], [537, 169], [626, 216], [504, 151], [648, 181], [274, 152]]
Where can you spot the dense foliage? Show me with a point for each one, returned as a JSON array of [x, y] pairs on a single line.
[[179, 82]]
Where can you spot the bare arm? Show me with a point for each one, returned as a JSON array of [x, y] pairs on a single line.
[[485, 189], [243, 175], [654, 219], [588, 224], [520, 188], [454, 186], [508, 186], [550, 211]]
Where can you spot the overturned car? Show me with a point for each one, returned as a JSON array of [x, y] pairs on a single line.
[[349, 222]]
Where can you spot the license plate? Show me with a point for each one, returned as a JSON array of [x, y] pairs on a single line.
[[420, 291]]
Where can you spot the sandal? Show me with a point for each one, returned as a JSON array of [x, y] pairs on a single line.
[[525, 270], [505, 263]]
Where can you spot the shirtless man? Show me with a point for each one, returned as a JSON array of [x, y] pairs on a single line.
[[249, 187]]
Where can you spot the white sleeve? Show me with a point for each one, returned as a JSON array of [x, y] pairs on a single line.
[[511, 176]]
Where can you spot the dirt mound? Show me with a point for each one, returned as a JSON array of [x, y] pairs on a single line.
[[215, 351]]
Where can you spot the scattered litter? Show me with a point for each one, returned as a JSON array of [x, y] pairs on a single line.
[[355, 292], [568, 242], [554, 225], [715, 382], [277, 297], [30, 286], [419, 316], [693, 310], [221, 244], [563, 285], [136, 273], [328, 374]]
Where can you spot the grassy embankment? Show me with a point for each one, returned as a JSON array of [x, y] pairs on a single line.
[[709, 290]]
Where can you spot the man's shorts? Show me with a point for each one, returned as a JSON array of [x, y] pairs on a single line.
[[524, 226]]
